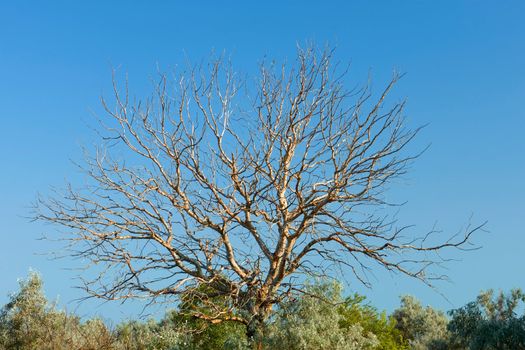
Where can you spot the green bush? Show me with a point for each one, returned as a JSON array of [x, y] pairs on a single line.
[[424, 327], [29, 322], [322, 319], [319, 319], [489, 323]]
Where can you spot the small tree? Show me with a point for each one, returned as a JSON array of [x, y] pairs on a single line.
[[317, 320], [28, 321], [23, 320], [424, 327], [196, 186], [489, 323]]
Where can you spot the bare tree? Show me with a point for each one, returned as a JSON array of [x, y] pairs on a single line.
[[198, 187]]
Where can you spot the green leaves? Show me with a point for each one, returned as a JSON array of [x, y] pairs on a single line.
[[29, 321], [322, 319], [354, 310], [423, 327], [319, 319], [490, 322]]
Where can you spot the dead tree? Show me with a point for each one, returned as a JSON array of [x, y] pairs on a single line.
[[243, 187]]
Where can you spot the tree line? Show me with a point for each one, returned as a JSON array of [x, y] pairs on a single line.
[[319, 319]]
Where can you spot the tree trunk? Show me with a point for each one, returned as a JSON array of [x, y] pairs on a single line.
[[255, 332]]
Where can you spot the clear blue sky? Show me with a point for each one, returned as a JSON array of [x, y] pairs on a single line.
[[465, 77]]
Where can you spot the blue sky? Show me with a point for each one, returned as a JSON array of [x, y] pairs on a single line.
[[465, 78]]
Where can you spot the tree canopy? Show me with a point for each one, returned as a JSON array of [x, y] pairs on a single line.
[[245, 187]]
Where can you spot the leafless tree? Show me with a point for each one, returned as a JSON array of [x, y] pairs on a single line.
[[243, 187]]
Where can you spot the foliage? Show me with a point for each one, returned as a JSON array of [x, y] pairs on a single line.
[[134, 335], [489, 323], [322, 319], [22, 318], [28, 321], [200, 334], [423, 327], [354, 311]]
